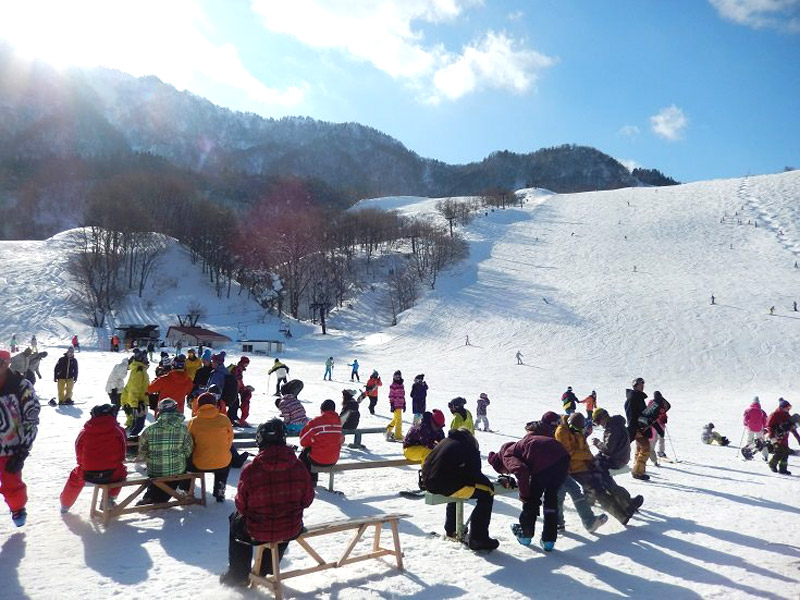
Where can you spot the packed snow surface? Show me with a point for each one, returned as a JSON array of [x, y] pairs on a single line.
[[594, 289]]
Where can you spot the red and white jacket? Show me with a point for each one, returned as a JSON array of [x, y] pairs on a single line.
[[323, 435]]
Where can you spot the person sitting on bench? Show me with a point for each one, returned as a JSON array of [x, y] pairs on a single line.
[[322, 439], [453, 468], [212, 434], [100, 448], [273, 491], [423, 437], [166, 446]]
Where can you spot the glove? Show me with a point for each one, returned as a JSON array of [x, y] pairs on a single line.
[[17, 461], [127, 410]]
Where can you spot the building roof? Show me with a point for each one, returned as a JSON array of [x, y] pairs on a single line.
[[199, 333]]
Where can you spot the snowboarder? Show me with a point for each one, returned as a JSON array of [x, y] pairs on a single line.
[[462, 418], [354, 370], [634, 406], [33, 366], [75, 345], [100, 450], [18, 428], [708, 436], [328, 369], [419, 394], [65, 375], [281, 373], [771, 310], [193, 363], [569, 400], [397, 405], [755, 421], [779, 425], [481, 410], [19, 362], [373, 383], [794, 306], [322, 439], [519, 358], [116, 381]]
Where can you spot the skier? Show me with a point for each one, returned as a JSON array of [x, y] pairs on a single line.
[[100, 450], [771, 310], [462, 418], [354, 370], [373, 383], [281, 373], [634, 406], [13, 343], [779, 425], [419, 394], [193, 363], [328, 369], [453, 468], [115, 343], [75, 345], [569, 400], [18, 428], [65, 375], [713, 299], [708, 436], [349, 414], [540, 466], [755, 421], [794, 306], [116, 381], [519, 358], [467, 341], [480, 412], [322, 439], [151, 348], [591, 403], [397, 405]]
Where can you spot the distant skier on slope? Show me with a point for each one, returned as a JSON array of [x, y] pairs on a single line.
[[519, 357]]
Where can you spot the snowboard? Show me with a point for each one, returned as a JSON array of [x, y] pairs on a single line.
[[53, 402], [293, 387]]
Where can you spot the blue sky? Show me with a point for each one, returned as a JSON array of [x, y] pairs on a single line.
[[700, 89]]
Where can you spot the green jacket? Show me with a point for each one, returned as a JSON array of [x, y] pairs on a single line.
[[458, 422], [166, 445]]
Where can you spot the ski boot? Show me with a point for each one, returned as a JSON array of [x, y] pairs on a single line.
[[599, 521], [19, 517], [661, 454], [516, 529], [547, 546], [784, 471], [641, 476], [484, 544]]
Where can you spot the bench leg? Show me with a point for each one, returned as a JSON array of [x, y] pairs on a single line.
[[330, 481], [276, 571], [397, 551], [460, 520], [93, 512]]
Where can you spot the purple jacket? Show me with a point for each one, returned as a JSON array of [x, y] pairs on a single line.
[[397, 396], [424, 433], [292, 411], [419, 392], [482, 404], [523, 459]]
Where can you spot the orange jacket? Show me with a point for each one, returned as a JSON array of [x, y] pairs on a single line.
[[580, 457], [323, 435], [590, 402], [175, 385], [212, 434]]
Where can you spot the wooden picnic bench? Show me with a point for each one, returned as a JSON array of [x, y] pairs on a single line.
[[275, 580], [247, 439], [355, 466], [107, 511], [433, 499]]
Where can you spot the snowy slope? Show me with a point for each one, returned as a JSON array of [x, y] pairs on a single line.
[[712, 526]]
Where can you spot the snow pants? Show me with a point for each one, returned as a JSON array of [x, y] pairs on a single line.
[[114, 395], [780, 457], [758, 435], [244, 403], [12, 488], [582, 505], [220, 478], [64, 389], [613, 503], [354, 373], [305, 458], [281, 381], [482, 419], [240, 551], [373, 402], [396, 424], [327, 374], [77, 478], [544, 489], [642, 453], [479, 520]]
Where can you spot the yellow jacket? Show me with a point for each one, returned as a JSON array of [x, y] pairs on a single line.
[[212, 434], [580, 457], [135, 390], [458, 422], [192, 366]]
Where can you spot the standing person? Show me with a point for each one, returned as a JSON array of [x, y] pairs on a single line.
[[755, 421], [634, 405], [134, 394], [193, 363], [33, 367], [540, 465], [272, 493], [164, 365], [212, 436], [328, 369], [166, 447], [116, 381], [481, 410], [178, 346], [322, 439], [569, 401], [354, 370], [115, 343], [453, 468], [75, 345], [591, 403], [519, 358], [100, 451], [397, 405], [13, 343], [245, 391], [226, 382], [462, 418], [349, 414], [20, 362], [281, 373], [65, 375], [779, 425], [151, 348], [419, 395], [18, 428], [35, 348], [373, 383], [173, 384]]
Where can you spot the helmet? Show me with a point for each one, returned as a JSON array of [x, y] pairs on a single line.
[[637, 381], [569, 388], [167, 405], [576, 421], [102, 410], [598, 414], [271, 433], [419, 377], [484, 396]]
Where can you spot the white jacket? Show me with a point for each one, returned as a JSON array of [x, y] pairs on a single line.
[[117, 378]]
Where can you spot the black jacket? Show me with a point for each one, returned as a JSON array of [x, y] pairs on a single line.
[[634, 405], [66, 368], [419, 392], [454, 462]]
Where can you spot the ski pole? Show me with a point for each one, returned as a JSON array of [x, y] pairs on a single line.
[[671, 445], [741, 439]]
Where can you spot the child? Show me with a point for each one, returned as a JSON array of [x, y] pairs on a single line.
[[480, 412], [292, 412], [461, 416], [373, 383], [397, 404], [591, 403], [755, 421], [419, 395], [709, 435], [779, 424], [100, 450]]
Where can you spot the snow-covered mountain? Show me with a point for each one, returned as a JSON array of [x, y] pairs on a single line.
[[554, 279]]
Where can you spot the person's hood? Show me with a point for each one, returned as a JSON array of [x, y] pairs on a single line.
[[279, 457], [496, 458], [101, 423]]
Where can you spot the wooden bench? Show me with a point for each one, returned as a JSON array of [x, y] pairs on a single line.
[[107, 511], [274, 580], [434, 499], [247, 439], [355, 466]]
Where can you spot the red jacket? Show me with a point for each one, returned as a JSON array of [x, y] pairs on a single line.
[[323, 435], [776, 419], [272, 493], [101, 444], [175, 384]]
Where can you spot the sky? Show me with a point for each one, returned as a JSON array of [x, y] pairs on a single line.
[[699, 89]]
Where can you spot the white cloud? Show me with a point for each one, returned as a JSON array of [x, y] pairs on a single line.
[[783, 15], [140, 37], [670, 123], [383, 34], [629, 164], [630, 131]]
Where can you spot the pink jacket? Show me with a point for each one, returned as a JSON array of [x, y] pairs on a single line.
[[755, 419], [397, 396]]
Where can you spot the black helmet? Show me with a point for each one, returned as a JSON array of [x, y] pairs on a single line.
[[710, 426], [576, 421], [457, 403], [637, 381], [102, 410], [271, 433]]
